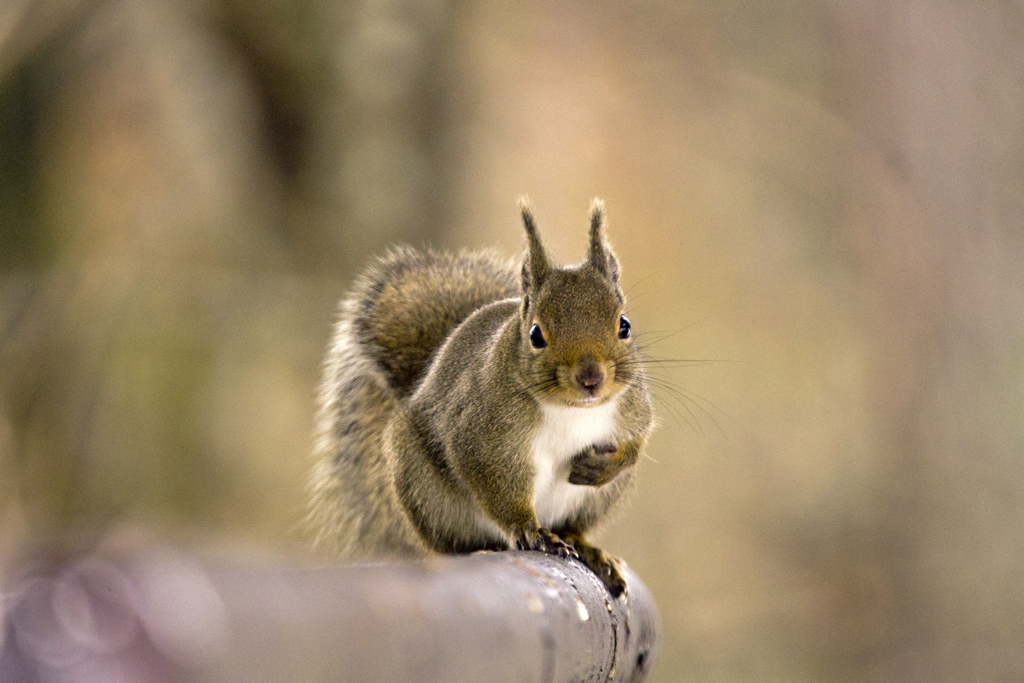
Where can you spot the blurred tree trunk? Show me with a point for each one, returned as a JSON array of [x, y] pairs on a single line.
[[183, 186], [938, 88]]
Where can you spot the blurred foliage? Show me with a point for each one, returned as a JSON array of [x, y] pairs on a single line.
[[818, 203]]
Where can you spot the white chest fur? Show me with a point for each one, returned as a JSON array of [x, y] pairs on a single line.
[[563, 433]]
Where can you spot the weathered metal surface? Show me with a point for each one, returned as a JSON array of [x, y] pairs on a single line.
[[511, 616]]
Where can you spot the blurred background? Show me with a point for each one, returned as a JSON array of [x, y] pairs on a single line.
[[823, 202]]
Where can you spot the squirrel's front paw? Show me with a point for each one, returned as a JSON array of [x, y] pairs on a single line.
[[536, 537], [596, 465]]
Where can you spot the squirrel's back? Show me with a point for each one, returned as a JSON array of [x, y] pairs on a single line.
[[408, 302], [398, 314]]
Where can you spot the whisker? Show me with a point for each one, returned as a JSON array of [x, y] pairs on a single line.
[[673, 412], [674, 332], [694, 395], [663, 359], [671, 362], [688, 397], [631, 379], [685, 402], [641, 281]]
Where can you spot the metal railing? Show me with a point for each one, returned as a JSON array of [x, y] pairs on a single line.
[[167, 616]]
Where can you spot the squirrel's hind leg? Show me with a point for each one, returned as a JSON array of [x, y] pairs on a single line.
[[607, 567]]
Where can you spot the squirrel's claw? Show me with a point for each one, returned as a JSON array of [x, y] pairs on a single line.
[[610, 573], [554, 545], [542, 539], [608, 568]]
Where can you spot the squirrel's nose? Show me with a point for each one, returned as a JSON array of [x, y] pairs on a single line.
[[590, 377]]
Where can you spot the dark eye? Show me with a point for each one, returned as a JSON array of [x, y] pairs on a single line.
[[623, 327], [537, 338]]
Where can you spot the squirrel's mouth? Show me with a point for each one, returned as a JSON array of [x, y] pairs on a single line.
[[587, 401]]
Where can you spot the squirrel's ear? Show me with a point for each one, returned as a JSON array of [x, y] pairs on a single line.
[[601, 256], [535, 263]]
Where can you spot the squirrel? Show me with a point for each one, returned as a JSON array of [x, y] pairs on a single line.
[[464, 408]]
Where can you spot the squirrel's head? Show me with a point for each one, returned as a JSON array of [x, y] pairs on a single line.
[[576, 344]]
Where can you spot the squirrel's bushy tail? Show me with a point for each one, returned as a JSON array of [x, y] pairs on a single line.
[[399, 313]]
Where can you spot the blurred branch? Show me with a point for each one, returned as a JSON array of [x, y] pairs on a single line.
[[510, 616]]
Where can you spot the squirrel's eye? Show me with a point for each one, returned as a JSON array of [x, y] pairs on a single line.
[[623, 327], [537, 338]]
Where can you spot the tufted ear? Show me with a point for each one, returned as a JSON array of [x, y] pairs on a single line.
[[601, 256], [535, 262]]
